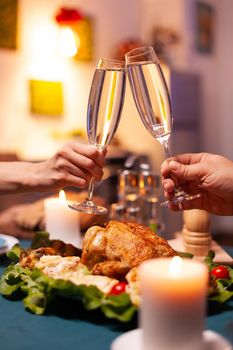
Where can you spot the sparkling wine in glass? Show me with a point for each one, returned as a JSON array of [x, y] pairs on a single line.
[[104, 109], [152, 100]]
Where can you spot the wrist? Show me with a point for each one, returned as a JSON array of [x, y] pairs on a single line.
[[36, 178], [29, 178]]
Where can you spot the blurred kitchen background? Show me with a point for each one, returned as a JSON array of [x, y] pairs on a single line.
[[43, 95]]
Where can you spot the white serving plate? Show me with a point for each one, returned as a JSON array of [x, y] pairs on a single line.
[[9, 243]]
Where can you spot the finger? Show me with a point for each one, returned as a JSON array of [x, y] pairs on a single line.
[[185, 159], [165, 171], [75, 181], [188, 158], [91, 152], [168, 185], [186, 172], [80, 165], [78, 172], [86, 174]]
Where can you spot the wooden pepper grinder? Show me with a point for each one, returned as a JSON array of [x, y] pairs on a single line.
[[196, 231]]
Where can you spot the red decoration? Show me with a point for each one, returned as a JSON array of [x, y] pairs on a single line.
[[68, 16]]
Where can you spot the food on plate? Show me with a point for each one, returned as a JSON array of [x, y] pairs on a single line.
[[118, 288], [69, 268], [114, 249], [29, 257], [133, 286], [220, 272], [103, 275], [107, 256]]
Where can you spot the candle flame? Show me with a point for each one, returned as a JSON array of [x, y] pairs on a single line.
[[62, 196], [175, 266]]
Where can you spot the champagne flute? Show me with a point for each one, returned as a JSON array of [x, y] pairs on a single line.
[[152, 100], [104, 109]]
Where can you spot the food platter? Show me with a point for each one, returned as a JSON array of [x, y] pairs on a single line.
[[53, 268]]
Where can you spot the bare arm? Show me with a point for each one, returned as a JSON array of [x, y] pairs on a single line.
[[72, 165]]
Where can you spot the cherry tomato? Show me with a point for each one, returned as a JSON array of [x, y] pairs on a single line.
[[118, 288], [220, 272]]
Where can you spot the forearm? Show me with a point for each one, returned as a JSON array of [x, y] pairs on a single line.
[[16, 177], [72, 165]]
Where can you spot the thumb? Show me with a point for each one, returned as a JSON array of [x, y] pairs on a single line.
[[185, 172]]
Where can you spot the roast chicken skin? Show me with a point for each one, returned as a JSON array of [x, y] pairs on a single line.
[[113, 250]]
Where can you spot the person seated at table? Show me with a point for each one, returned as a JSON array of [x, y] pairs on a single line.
[[205, 173], [72, 165]]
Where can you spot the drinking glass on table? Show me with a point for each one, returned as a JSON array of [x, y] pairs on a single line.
[[103, 115], [152, 100]]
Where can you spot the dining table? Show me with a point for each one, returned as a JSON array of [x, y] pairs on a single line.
[[67, 325]]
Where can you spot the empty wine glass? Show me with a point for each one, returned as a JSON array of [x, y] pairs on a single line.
[[152, 100], [105, 105]]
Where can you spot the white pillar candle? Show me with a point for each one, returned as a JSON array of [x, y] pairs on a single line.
[[173, 303], [61, 222]]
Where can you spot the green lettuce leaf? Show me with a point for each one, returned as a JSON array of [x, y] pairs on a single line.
[[38, 290], [12, 279], [119, 307], [41, 239], [185, 254], [223, 291], [14, 253], [223, 288], [209, 260]]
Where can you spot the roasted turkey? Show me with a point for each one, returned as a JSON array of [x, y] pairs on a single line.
[[113, 250]]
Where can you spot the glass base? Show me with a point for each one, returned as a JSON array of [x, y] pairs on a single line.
[[180, 198], [88, 207]]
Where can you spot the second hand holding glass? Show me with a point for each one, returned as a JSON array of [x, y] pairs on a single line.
[[103, 115], [152, 100]]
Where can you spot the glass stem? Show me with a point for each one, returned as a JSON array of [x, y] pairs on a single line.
[[178, 190], [90, 190], [166, 147]]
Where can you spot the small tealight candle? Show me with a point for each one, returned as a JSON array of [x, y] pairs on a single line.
[[61, 222], [173, 303]]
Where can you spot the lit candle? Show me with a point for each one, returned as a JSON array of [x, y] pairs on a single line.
[[173, 303], [61, 222]]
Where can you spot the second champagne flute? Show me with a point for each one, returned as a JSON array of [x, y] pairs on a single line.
[[152, 100], [105, 105]]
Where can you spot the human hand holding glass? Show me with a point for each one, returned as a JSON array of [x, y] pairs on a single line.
[[105, 105], [152, 100]]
